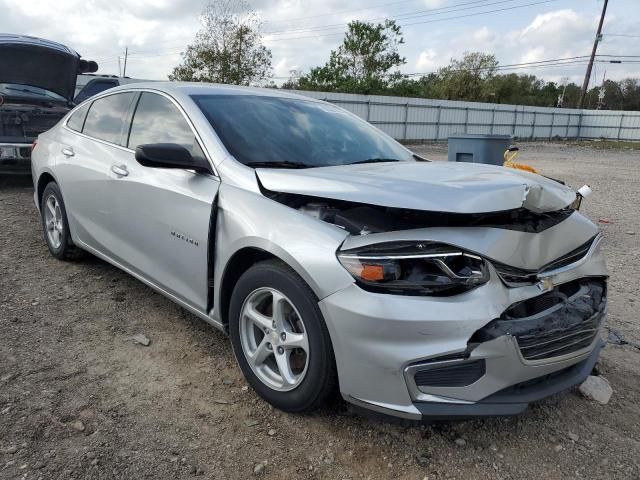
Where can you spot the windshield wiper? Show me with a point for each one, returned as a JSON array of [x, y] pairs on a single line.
[[376, 160], [278, 164]]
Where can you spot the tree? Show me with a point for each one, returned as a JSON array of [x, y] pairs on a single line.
[[364, 63], [464, 79], [228, 48]]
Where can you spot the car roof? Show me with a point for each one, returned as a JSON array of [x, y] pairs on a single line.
[[201, 88], [10, 38]]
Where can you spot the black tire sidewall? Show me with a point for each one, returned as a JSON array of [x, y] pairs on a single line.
[[65, 242], [318, 382]]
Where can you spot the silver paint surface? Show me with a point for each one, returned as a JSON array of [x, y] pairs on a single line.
[[129, 221], [431, 186]]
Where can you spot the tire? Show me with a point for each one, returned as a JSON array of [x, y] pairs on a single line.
[[313, 384], [55, 225]]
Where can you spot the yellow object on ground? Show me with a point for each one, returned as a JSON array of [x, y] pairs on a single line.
[[509, 157]]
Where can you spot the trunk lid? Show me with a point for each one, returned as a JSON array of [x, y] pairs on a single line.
[[37, 63]]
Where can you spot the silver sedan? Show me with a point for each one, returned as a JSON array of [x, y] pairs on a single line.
[[336, 259]]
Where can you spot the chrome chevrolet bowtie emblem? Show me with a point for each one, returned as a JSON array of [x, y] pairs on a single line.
[[545, 284]]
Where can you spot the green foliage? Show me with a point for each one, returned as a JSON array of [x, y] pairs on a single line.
[[364, 62], [228, 48], [465, 79], [367, 62]]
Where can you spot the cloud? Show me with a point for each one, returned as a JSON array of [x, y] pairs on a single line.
[[157, 30], [428, 61]]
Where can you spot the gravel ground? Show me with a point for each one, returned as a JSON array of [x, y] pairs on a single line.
[[79, 399]]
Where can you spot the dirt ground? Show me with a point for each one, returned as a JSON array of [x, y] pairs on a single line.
[[78, 399]]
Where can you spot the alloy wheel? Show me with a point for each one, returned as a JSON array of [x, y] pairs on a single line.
[[274, 339], [53, 221]]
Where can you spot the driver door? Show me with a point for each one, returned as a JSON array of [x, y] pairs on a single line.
[[164, 215]]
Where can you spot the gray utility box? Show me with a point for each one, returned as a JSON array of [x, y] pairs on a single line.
[[477, 148]]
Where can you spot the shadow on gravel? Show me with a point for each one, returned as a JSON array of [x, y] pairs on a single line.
[[8, 182]]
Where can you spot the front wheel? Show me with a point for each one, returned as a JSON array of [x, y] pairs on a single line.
[[279, 338]]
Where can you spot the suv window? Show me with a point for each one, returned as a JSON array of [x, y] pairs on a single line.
[[76, 121], [93, 88], [106, 117], [157, 120]]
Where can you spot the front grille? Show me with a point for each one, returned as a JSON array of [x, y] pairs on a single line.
[[562, 321], [560, 342], [514, 277], [457, 375]]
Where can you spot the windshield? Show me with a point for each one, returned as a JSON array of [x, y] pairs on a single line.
[[28, 91], [262, 131]]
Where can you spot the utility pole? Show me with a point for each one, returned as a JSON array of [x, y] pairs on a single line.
[[126, 53], [587, 76]]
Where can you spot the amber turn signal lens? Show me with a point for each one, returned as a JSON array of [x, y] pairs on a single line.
[[372, 273]]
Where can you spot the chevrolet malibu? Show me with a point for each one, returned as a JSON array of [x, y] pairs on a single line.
[[336, 260]]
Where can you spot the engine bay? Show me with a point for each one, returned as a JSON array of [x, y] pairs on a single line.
[[364, 219]]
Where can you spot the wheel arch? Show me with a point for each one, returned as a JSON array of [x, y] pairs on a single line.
[[241, 261], [44, 179]]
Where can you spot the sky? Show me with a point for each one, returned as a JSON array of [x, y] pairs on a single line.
[[301, 33]]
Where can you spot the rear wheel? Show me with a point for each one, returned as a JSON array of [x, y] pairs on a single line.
[[279, 338], [55, 224]]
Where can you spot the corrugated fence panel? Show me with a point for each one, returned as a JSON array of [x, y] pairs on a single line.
[[430, 119]]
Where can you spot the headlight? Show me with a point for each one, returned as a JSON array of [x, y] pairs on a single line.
[[410, 268]]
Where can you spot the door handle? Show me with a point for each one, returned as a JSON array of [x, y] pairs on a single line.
[[120, 170], [68, 152]]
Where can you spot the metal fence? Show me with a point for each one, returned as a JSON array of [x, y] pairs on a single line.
[[425, 119]]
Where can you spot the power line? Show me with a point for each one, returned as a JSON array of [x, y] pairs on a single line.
[[425, 21], [105, 52], [620, 35], [555, 62], [417, 13], [176, 49], [341, 12], [582, 59], [619, 56]]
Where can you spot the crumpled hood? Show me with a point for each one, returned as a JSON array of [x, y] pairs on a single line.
[[430, 186]]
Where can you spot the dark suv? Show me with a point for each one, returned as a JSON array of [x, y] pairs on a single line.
[[37, 85]]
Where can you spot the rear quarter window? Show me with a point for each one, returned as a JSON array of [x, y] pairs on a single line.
[[76, 120]]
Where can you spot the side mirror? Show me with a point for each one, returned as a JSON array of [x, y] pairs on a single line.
[[169, 155]]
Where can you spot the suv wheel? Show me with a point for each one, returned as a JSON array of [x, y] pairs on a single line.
[[279, 338]]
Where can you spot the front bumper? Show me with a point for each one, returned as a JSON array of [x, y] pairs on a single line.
[[15, 158], [381, 341]]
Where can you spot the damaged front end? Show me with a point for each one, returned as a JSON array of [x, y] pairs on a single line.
[[480, 310], [564, 320], [364, 219]]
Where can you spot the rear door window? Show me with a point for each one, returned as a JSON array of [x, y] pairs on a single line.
[[76, 120], [158, 120], [107, 117]]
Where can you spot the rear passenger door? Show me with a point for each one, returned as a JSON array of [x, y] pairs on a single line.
[[93, 141], [164, 215]]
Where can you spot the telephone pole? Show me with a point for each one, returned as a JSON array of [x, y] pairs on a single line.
[[126, 53], [587, 76]]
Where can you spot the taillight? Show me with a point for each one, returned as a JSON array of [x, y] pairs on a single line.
[[33, 145]]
